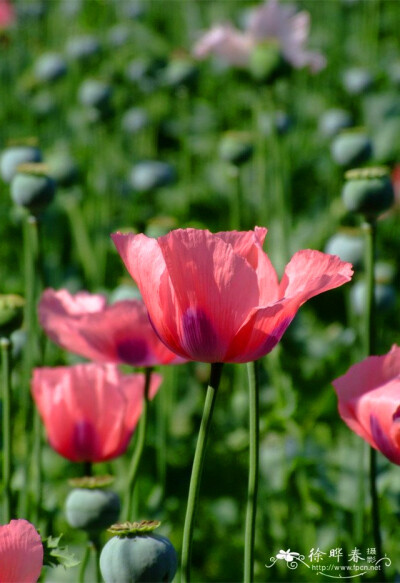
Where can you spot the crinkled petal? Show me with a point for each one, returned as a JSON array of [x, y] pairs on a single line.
[[310, 273], [21, 552]]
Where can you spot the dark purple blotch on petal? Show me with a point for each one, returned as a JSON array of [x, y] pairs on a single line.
[[85, 440], [133, 351], [200, 340], [382, 440]]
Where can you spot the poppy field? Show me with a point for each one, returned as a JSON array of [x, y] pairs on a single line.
[[199, 308]]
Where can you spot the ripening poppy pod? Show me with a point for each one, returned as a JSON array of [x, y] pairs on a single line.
[[369, 401], [21, 552], [216, 297], [90, 410], [119, 333]]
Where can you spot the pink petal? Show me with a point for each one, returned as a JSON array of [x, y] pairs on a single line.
[[21, 552], [226, 42], [249, 244], [89, 410], [209, 281], [7, 14], [310, 273]]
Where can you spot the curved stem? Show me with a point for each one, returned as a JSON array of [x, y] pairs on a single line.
[[197, 468], [84, 563], [139, 447], [254, 434], [6, 406], [369, 333]]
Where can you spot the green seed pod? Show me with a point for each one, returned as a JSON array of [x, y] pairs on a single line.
[[333, 121], [63, 168], [50, 67], [95, 93], [180, 71], [151, 174], [136, 555], [351, 147], [384, 297], [235, 147], [357, 81], [266, 62], [348, 245], [32, 188], [17, 154], [368, 191], [92, 509]]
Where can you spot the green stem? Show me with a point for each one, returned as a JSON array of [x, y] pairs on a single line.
[[84, 563], [6, 406], [139, 447], [96, 545], [369, 338], [31, 251], [197, 468], [254, 434], [236, 206], [37, 465]]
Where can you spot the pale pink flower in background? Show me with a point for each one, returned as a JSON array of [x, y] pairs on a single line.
[[21, 552], [85, 324], [271, 21]]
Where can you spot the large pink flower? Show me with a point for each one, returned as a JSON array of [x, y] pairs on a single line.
[[216, 297], [89, 410], [21, 552], [369, 401], [269, 22], [119, 333]]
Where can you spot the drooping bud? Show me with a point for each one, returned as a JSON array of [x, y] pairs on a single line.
[[18, 152]]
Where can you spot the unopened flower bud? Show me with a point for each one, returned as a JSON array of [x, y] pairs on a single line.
[[82, 48], [351, 147], [368, 191], [32, 187]]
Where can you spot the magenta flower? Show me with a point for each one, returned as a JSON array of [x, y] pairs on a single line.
[[369, 401], [270, 22], [21, 552], [118, 333], [90, 410], [216, 297]]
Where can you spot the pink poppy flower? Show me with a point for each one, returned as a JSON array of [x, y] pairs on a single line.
[[271, 21], [369, 401], [7, 14], [216, 297], [119, 333], [21, 552], [89, 410]]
